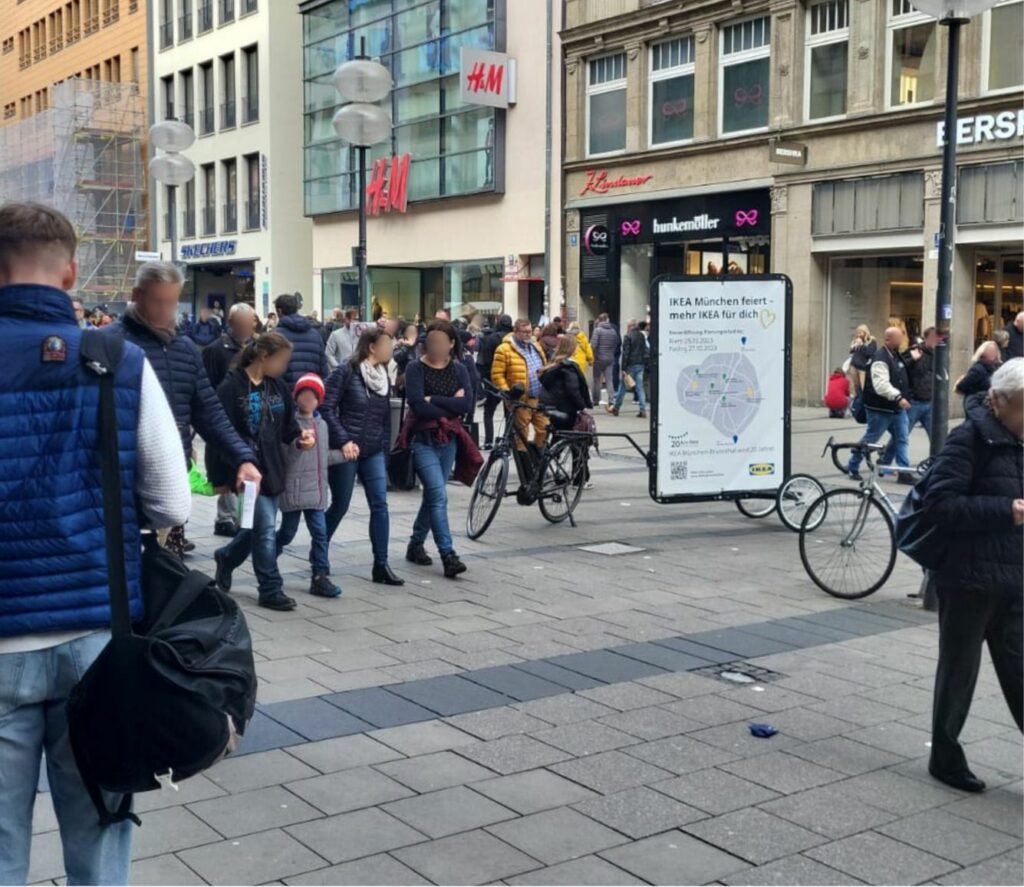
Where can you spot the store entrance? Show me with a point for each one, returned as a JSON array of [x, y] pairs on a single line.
[[218, 286], [998, 291]]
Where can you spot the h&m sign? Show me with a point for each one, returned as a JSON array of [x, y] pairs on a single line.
[[487, 78]]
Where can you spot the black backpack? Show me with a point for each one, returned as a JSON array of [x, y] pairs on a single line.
[[170, 698]]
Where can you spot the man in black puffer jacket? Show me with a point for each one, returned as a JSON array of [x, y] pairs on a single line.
[[308, 354], [975, 496]]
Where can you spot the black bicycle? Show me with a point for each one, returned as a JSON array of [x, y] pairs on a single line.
[[552, 476]]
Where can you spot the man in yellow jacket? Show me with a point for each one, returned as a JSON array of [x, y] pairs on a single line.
[[584, 355], [518, 360]]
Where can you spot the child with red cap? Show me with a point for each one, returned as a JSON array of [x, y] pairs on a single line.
[[306, 492]]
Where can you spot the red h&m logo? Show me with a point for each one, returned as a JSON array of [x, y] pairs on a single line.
[[483, 77], [389, 185]]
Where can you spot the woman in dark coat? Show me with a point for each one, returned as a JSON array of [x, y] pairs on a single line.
[[977, 379], [563, 386], [974, 496]]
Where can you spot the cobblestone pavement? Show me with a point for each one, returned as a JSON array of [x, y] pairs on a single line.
[[554, 716]]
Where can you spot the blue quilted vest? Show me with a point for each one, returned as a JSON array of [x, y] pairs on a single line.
[[53, 570]]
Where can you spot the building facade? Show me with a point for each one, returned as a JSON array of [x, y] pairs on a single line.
[[222, 66], [460, 195], [798, 138]]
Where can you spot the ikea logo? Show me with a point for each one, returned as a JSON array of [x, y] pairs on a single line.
[[761, 469]]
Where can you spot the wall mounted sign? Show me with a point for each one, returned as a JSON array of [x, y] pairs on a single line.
[[984, 128], [598, 182], [787, 152], [597, 240], [214, 249], [487, 78], [388, 187]]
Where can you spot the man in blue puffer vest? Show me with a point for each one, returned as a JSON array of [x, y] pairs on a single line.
[[54, 596]]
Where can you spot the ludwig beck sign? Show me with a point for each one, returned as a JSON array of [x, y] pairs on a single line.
[[487, 78]]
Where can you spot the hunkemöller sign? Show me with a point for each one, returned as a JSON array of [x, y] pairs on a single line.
[[599, 183]]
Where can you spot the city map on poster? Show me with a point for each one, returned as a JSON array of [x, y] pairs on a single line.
[[721, 365]]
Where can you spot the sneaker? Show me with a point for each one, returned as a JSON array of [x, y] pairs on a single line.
[[417, 554], [278, 601], [856, 475], [322, 586], [226, 528], [452, 565], [612, 411], [641, 415], [223, 575], [488, 446], [589, 485]]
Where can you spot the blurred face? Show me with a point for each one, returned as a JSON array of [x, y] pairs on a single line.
[[79, 311], [931, 340], [204, 314], [307, 401], [893, 338], [1010, 411], [158, 304], [382, 349], [439, 346], [523, 332], [276, 365], [991, 353], [411, 333], [243, 325]]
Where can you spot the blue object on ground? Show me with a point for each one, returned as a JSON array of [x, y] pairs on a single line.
[[763, 731]]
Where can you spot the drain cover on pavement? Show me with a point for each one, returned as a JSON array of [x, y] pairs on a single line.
[[612, 548], [739, 672]]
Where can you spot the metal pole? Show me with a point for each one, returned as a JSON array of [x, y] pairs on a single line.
[[947, 247], [172, 219], [363, 304]]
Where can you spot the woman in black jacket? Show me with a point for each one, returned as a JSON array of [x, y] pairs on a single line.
[[974, 496], [979, 376], [357, 409], [564, 387]]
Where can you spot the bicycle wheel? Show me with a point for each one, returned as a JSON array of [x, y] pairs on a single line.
[[562, 483], [795, 496], [488, 491], [755, 508], [848, 544]]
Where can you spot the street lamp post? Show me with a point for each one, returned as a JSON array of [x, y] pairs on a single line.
[[953, 14], [172, 168], [362, 123]]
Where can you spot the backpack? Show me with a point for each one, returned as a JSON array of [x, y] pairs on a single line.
[[169, 698]]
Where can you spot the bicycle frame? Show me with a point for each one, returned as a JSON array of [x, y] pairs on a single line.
[[870, 488]]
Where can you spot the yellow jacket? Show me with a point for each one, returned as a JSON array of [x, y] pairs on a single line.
[[509, 367], [584, 355]]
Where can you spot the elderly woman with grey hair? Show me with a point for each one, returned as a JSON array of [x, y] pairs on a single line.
[[975, 496]]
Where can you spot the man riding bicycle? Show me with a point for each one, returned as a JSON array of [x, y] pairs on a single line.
[[518, 360]]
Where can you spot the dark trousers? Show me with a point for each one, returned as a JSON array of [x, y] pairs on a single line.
[[966, 621], [491, 402]]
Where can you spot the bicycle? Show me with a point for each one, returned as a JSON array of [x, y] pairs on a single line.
[[553, 476], [791, 500]]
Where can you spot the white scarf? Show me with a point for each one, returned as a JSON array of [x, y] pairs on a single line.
[[375, 377]]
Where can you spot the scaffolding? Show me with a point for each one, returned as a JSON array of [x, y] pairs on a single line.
[[85, 157]]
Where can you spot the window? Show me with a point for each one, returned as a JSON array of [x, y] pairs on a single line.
[[230, 196], [8, 45], [207, 98], [1002, 61], [249, 6], [209, 199], [135, 64], [227, 11], [828, 36], [167, 90], [606, 104], [169, 202], [251, 73], [188, 221], [166, 24], [185, 21], [910, 60], [671, 91], [227, 79], [743, 76], [204, 10], [252, 192], [992, 193], [876, 203], [188, 98]]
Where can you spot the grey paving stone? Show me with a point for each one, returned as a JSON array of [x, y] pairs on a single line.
[[715, 791], [950, 836], [771, 697], [898, 794], [626, 696], [449, 695], [902, 611], [606, 666], [263, 733], [674, 858], [590, 870], [343, 753], [349, 790], [811, 681], [877, 859], [469, 858], [754, 835], [571, 680], [448, 811], [794, 869], [639, 812], [378, 707], [254, 859], [242, 774], [254, 811], [195, 788], [556, 835], [652, 722], [712, 655], [584, 738], [827, 633], [997, 808], [565, 709], [858, 710], [496, 722], [514, 683], [315, 719], [533, 790], [160, 870], [422, 738], [1007, 868], [845, 755], [807, 725], [170, 830], [664, 657], [510, 754], [352, 835], [713, 709], [374, 871], [856, 621], [998, 753], [610, 772], [828, 811], [427, 773], [680, 754], [683, 685], [795, 637], [782, 772], [745, 646]]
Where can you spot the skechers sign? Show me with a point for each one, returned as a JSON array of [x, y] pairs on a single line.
[[215, 249], [984, 128]]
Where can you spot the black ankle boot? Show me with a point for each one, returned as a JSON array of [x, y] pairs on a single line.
[[417, 554], [452, 565], [383, 575]]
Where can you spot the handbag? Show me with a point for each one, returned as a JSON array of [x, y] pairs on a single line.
[[917, 535], [858, 410], [169, 698], [401, 466]]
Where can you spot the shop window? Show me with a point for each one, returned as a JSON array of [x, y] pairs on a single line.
[[911, 57], [877, 203], [991, 193], [744, 76], [471, 287], [671, 92], [826, 60], [1002, 59], [606, 104]]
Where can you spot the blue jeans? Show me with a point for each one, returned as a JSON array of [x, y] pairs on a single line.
[[878, 424], [316, 523], [920, 413], [261, 543], [373, 475], [637, 372], [433, 467], [33, 690]]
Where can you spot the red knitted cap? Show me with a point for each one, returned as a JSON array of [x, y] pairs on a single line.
[[310, 382]]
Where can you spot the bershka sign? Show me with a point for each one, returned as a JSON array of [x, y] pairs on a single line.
[[209, 250], [703, 222], [984, 128], [598, 182]]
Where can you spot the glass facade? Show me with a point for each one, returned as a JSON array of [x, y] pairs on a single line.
[[453, 146]]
